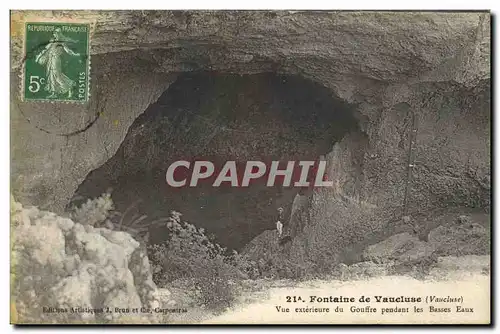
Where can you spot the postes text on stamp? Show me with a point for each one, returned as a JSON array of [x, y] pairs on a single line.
[[56, 62]]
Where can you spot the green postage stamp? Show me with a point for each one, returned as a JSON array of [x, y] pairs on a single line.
[[56, 62]]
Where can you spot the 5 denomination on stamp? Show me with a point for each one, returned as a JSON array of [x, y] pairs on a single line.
[[56, 62]]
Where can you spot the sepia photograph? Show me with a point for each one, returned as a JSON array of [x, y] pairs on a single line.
[[237, 167]]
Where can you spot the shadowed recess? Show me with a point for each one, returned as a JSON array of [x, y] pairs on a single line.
[[221, 117]]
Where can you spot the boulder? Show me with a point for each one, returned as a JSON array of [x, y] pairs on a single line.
[[461, 238], [64, 272], [402, 246]]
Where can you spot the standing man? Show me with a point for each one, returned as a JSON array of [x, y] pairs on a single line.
[[279, 224]]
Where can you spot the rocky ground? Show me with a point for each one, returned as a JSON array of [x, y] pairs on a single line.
[[411, 247], [58, 264]]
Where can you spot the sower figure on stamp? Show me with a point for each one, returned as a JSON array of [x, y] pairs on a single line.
[[279, 224], [50, 57]]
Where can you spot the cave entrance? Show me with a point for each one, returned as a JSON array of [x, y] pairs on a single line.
[[220, 117]]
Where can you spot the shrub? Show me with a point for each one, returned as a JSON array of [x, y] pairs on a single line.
[[190, 255], [100, 212], [215, 286], [94, 211]]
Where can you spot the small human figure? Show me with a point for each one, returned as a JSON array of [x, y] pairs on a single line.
[[279, 224]]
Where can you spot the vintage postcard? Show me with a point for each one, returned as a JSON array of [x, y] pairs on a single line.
[[250, 167]]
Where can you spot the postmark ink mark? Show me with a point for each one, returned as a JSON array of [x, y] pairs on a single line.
[[57, 62]]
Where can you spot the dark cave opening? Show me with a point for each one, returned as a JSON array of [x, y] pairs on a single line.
[[221, 117]]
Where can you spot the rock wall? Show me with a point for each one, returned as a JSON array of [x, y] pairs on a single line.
[[54, 146], [370, 172], [435, 66]]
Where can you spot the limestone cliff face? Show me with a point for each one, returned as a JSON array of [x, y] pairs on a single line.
[[388, 47], [427, 72]]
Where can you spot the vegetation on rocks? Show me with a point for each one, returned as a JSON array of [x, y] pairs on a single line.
[[90, 261], [205, 267]]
